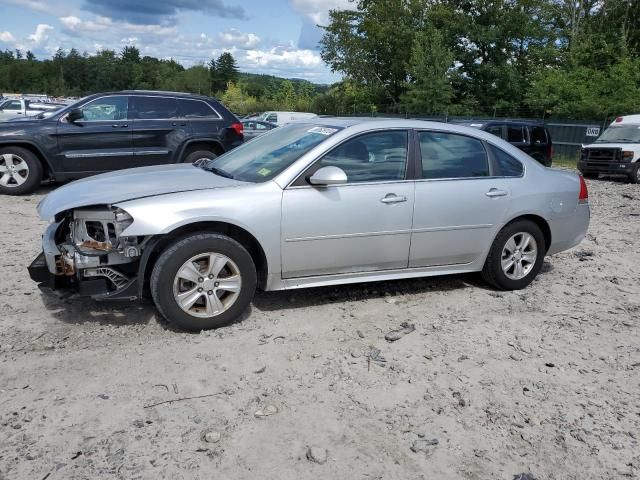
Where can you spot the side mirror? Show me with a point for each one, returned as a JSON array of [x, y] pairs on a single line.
[[328, 176], [75, 115]]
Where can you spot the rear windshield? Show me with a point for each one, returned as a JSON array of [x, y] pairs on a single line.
[[621, 134]]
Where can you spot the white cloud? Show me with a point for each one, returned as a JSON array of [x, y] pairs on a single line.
[[37, 5], [40, 36], [281, 57], [7, 37], [318, 10], [238, 39]]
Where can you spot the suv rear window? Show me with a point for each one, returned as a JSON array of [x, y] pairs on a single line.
[[539, 135], [195, 109], [155, 108], [516, 134]]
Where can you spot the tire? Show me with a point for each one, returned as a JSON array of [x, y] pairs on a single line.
[[167, 281], [199, 155], [531, 262], [20, 171], [634, 177]]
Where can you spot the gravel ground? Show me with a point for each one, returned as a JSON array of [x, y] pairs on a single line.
[[489, 385]]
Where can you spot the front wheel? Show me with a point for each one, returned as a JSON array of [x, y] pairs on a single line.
[[199, 156], [20, 171], [634, 177], [203, 281], [515, 257]]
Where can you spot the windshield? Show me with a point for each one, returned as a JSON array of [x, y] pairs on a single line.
[[621, 134], [265, 157]]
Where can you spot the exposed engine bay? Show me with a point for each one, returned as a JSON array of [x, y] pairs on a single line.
[[86, 246]]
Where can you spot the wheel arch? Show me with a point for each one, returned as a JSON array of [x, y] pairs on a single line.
[[239, 234], [47, 168], [539, 221], [195, 144]]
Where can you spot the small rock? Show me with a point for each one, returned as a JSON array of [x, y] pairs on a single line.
[[317, 455], [267, 411], [405, 329], [103, 396], [424, 445], [260, 370], [355, 353], [550, 364], [360, 334], [138, 423], [524, 476], [212, 436]]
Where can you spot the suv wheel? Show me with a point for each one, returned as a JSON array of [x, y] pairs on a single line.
[[515, 257], [203, 281], [634, 177], [20, 171], [199, 156]]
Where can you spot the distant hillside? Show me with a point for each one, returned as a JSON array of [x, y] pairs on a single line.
[[258, 85]]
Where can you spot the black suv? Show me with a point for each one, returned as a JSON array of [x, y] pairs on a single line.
[[111, 131], [530, 137]]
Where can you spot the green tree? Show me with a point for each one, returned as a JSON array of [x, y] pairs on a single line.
[[429, 89], [222, 71]]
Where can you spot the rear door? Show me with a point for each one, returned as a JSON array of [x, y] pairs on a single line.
[[159, 131], [100, 141], [204, 121], [458, 202]]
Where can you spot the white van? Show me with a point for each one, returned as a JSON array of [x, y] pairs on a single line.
[[282, 118], [615, 152]]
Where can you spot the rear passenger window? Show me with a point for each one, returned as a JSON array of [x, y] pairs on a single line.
[[273, 118], [155, 108], [506, 165], [195, 109], [449, 155], [372, 157], [496, 130], [516, 135], [539, 135]]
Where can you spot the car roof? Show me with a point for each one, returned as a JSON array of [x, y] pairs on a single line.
[[483, 123], [159, 93]]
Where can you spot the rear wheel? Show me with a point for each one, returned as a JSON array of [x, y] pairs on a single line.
[[199, 156], [203, 281], [515, 257], [634, 177], [20, 171]]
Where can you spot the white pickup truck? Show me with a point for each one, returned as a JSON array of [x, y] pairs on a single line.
[[20, 107], [615, 152]]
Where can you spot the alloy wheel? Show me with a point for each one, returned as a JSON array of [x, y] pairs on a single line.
[[14, 171], [207, 284], [519, 255]]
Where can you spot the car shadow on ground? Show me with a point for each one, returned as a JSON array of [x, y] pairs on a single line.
[[73, 309]]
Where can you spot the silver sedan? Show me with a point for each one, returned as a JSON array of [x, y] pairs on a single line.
[[326, 202]]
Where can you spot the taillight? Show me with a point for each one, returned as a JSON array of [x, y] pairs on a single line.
[[550, 152], [583, 196], [238, 127], [619, 119]]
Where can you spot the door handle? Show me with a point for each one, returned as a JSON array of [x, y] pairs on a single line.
[[494, 192], [393, 198]]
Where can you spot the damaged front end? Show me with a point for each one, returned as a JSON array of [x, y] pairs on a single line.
[[86, 249]]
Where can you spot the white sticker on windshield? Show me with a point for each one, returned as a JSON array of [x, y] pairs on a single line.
[[322, 130]]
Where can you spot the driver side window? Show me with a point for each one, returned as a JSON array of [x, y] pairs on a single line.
[[372, 157], [106, 109]]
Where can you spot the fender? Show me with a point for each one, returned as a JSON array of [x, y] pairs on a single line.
[[190, 141], [18, 143]]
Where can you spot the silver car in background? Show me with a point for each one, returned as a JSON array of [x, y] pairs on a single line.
[[325, 202]]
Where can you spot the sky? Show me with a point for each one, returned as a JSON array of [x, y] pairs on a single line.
[[275, 37]]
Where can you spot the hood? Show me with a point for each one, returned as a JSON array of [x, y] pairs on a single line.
[[624, 146], [122, 185]]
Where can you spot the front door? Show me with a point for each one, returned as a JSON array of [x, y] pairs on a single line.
[[363, 225], [459, 203], [98, 142]]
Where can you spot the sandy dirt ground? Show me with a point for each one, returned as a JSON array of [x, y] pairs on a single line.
[[490, 385]]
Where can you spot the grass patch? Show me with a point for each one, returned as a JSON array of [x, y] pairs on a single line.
[[566, 162]]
